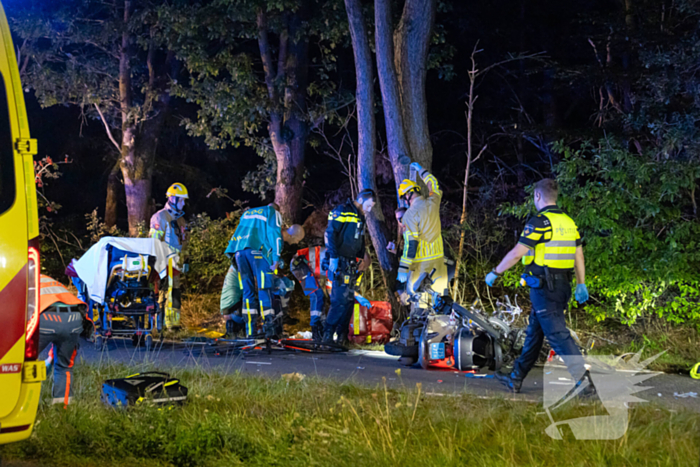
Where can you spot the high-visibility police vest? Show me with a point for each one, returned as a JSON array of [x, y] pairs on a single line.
[[558, 251]]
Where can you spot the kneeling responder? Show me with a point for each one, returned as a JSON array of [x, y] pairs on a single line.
[[168, 225], [345, 242], [62, 315], [232, 300], [423, 249], [550, 247], [306, 267], [256, 246]]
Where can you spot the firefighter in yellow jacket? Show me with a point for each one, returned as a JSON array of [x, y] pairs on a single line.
[[423, 250], [169, 226]]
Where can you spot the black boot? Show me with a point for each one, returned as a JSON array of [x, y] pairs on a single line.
[[328, 335], [511, 380], [342, 339], [233, 329], [270, 328], [317, 332]]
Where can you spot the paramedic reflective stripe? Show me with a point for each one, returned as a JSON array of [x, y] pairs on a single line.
[[316, 313]]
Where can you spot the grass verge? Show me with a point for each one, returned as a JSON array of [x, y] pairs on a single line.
[[237, 420]]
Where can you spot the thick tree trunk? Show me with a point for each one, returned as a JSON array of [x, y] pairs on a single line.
[[367, 142], [112, 196], [397, 142], [137, 170], [287, 129], [290, 168], [411, 41]]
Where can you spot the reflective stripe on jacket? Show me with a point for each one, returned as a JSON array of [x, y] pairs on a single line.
[[422, 221], [556, 247]]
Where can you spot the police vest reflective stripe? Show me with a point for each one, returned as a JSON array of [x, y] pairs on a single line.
[[559, 252]]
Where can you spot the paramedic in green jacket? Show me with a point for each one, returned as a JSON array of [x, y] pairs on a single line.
[[256, 247]]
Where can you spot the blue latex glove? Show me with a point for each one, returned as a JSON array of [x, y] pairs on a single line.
[[332, 267], [417, 167], [402, 276], [363, 301], [185, 268], [491, 278], [581, 293]]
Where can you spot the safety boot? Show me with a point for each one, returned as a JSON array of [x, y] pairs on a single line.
[[317, 332], [270, 329], [511, 380], [328, 336], [342, 339], [233, 329]]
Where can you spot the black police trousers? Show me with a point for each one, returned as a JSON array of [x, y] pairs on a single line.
[[547, 320]]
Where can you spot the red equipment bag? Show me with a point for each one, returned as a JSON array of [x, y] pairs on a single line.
[[371, 326]]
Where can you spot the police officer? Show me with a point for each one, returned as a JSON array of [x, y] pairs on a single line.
[[345, 242], [550, 247], [423, 249], [255, 247], [168, 225], [62, 315]]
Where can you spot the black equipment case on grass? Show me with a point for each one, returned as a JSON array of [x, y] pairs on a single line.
[[152, 387]]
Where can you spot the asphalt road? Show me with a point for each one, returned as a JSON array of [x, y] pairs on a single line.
[[368, 368]]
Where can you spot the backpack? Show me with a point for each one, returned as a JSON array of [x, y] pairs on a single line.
[[152, 387]]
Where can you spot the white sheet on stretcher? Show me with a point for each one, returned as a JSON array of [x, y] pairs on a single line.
[[93, 266]]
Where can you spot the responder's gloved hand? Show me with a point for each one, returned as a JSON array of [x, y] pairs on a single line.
[[491, 278], [581, 293], [363, 301], [402, 276], [185, 268], [332, 267], [417, 167]]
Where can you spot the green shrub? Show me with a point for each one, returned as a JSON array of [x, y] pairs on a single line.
[[208, 239], [636, 213]]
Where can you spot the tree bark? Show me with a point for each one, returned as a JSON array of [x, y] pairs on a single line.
[[287, 129], [137, 182], [397, 143], [112, 196], [411, 41], [367, 142], [290, 170]]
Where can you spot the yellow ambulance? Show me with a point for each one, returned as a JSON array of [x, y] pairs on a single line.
[[20, 373]]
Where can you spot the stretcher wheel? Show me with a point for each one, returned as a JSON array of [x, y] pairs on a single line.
[[99, 342], [148, 342]]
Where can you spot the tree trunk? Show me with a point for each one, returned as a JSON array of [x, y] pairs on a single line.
[[290, 169], [112, 196], [367, 143], [287, 129], [137, 181], [411, 41], [397, 143]]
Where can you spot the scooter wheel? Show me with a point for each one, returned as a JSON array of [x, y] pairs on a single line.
[[408, 361], [398, 350]]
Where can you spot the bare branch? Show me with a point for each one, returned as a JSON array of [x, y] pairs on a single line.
[[107, 129]]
